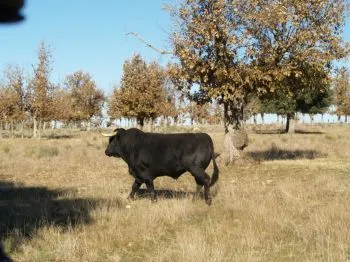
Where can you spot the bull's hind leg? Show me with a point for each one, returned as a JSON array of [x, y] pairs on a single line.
[[203, 179], [198, 190], [150, 188], [134, 189]]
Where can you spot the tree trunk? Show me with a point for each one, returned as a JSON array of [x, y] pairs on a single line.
[[346, 118], [35, 127], [290, 124], [140, 122], [11, 129], [262, 118], [233, 115], [164, 124], [151, 125], [167, 121], [22, 129], [254, 119], [39, 128], [0, 129], [231, 152], [287, 123]]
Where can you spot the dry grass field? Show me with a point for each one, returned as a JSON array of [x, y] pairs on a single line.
[[62, 199]]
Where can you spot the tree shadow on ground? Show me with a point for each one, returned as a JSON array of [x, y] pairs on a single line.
[[44, 136], [306, 132], [23, 210], [274, 153], [58, 136], [269, 132], [282, 131]]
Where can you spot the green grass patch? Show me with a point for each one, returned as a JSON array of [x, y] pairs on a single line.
[[41, 151], [6, 149]]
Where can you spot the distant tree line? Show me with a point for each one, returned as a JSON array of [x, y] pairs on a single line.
[[34, 101], [232, 60], [146, 93]]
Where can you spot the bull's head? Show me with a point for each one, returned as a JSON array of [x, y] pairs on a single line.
[[114, 145]]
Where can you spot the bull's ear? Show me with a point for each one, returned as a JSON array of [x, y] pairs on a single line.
[[119, 131]]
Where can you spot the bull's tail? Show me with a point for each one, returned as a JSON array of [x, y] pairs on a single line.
[[215, 175]]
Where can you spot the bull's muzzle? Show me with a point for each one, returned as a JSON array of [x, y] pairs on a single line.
[[107, 153]]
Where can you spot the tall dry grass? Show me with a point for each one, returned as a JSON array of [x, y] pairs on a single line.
[[62, 199]]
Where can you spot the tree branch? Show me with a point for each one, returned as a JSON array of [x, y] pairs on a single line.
[[162, 52]]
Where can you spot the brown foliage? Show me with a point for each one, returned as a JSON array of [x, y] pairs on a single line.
[[85, 98], [40, 89], [198, 113], [12, 97], [342, 92], [231, 48], [141, 93]]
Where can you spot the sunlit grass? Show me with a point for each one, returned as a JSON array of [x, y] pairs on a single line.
[[288, 201]]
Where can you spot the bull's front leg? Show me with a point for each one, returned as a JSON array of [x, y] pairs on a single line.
[[135, 186]]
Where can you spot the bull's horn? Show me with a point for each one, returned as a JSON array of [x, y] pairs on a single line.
[[109, 134]]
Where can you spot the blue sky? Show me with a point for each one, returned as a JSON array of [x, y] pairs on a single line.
[[89, 36], [86, 35]]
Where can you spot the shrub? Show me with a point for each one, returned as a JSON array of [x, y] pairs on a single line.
[[48, 152], [42, 151], [6, 149]]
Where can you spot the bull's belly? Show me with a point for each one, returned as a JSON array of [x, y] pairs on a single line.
[[158, 173], [174, 174]]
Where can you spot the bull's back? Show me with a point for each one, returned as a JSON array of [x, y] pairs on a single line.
[[173, 154]]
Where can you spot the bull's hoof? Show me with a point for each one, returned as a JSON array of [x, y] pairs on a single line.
[[132, 198], [154, 200], [208, 201]]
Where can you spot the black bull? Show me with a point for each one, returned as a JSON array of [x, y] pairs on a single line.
[[151, 155]]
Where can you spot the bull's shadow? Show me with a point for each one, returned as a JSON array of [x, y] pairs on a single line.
[[170, 194], [3, 256], [163, 193], [23, 210]]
